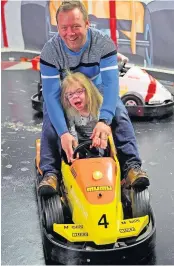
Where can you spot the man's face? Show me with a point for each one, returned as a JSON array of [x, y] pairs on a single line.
[[73, 29]]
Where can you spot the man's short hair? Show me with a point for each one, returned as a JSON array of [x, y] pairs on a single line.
[[70, 5]]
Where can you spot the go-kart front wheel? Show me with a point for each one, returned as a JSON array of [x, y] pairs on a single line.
[[140, 201], [132, 100], [53, 212]]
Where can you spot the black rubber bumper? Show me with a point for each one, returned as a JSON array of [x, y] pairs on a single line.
[[151, 110], [135, 254], [37, 104]]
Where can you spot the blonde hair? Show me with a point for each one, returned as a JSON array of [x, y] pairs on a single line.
[[94, 98]]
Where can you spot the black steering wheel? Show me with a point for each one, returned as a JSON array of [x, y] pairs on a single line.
[[84, 150]]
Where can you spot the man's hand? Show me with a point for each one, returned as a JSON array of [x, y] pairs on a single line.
[[122, 58], [68, 142], [100, 135]]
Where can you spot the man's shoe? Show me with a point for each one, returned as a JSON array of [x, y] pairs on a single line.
[[137, 178], [48, 186]]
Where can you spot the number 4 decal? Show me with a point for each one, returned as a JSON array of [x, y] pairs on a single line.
[[103, 221]]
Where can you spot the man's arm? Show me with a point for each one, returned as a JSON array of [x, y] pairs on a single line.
[[110, 81], [51, 93]]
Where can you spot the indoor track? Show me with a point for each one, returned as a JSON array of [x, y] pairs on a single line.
[[21, 238]]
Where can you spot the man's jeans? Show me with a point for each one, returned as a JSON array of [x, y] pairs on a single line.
[[123, 134]]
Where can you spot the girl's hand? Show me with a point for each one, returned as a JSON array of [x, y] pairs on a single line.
[[68, 142]]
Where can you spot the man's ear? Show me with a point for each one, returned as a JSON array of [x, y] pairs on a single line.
[[87, 24]]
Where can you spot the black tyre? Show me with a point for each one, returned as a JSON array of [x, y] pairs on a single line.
[[132, 100], [140, 202], [39, 88], [40, 95], [53, 212], [126, 203]]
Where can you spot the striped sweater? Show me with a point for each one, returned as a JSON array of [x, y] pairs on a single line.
[[97, 60]]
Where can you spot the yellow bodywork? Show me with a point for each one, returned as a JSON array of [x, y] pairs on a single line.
[[99, 223]]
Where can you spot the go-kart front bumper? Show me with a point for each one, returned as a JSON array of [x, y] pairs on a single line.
[[37, 103], [58, 251], [151, 110], [69, 254]]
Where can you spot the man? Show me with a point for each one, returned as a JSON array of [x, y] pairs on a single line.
[[79, 48]]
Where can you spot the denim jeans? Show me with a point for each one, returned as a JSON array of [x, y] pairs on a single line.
[[50, 153], [123, 134]]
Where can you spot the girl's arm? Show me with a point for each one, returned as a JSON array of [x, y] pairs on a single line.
[[71, 126]]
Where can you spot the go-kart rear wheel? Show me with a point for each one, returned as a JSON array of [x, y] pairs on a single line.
[[140, 202], [53, 212]]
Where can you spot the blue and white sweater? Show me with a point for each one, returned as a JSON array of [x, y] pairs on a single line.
[[97, 60]]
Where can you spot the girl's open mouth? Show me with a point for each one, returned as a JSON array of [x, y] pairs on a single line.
[[78, 104]]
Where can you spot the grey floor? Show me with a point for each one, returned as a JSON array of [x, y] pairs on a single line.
[[21, 240]]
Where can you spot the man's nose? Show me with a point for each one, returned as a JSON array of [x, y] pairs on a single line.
[[70, 31]]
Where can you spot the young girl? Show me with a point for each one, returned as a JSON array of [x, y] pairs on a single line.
[[81, 101]]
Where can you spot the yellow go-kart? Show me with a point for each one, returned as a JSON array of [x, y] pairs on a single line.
[[95, 220]]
